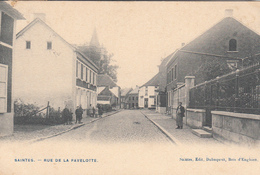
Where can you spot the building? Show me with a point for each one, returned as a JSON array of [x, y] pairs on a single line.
[[133, 99], [108, 91], [124, 97], [48, 68], [226, 46], [161, 97], [8, 17], [148, 92]]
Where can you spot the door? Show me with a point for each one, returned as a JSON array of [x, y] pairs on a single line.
[[146, 102]]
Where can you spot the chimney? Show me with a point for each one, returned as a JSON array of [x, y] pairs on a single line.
[[228, 13], [182, 44], [40, 16]]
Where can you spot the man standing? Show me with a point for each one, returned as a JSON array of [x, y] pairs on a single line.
[[179, 116], [66, 115], [78, 113]]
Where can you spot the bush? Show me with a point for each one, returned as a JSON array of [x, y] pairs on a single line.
[[27, 114]]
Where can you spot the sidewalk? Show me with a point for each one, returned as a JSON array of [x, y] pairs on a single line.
[[182, 136], [31, 133]]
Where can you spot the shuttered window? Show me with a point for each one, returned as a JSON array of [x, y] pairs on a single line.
[[3, 88]]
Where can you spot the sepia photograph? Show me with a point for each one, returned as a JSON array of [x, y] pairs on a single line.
[[129, 87]]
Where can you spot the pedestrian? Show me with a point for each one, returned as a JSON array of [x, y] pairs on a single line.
[[78, 113], [94, 112], [179, 116], [66, 115], [81, 111], [100, 111]]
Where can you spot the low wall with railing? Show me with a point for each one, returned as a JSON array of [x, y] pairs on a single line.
[[236, 127]]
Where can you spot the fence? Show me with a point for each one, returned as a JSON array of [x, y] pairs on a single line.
[[238, 91]]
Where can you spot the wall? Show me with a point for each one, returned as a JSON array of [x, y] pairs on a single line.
[[6, 124], [236, 127], [42, 75], [195, 118]]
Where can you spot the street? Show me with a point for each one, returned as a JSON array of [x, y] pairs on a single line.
[[123, 127]]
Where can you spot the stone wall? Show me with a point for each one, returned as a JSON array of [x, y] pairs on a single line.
[[6, 124], [195, 118], [236, 127]]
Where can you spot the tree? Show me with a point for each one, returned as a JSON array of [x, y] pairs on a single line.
[[102, 59]]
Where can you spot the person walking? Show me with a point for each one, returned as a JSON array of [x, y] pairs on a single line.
[[66, 115], [179, 116], [100, 111], [94, 112], [78, 113]]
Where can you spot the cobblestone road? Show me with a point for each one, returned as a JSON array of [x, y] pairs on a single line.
[[125, 126]]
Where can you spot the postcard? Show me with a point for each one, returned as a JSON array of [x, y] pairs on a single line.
[[104, 87]]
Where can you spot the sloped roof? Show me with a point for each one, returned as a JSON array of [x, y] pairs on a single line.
[[105, 80], [213, 42], [115, 91], [8, 9], [135, 90], [125, 91], [38, 20], [154, 81]]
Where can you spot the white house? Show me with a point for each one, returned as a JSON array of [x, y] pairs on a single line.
[[148, 92], [48, 68]]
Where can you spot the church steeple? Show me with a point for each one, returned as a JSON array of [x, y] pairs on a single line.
[[94, 39]]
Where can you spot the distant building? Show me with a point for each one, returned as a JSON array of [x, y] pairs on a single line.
[[48, 68], [148, 92], [108, 91], [133, 98], [124, 97], [8, 17], [219, 50]]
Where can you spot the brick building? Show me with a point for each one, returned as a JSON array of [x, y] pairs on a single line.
[[224, 47], [133, 99], [124, 97]]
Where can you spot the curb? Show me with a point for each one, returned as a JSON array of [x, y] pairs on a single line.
[[70, 129], [170, 137]]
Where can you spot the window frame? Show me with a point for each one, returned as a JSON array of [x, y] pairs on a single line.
[[49, 43], [233, 45], [26, 44], [6, 86]]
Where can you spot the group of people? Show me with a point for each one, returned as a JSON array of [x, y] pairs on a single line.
[[67, 114]]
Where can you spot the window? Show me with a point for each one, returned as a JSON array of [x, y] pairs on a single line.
[[81, 71], [49, 45], [232, 45], [172, 74], [3, 88], [90, 74], [86, 74], [28, 44], [175, 71], [129, 98], [77, 63], [136, 98], [94, 78], [133, 98]]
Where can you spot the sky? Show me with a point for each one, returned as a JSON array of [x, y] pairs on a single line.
[[139, 34]]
